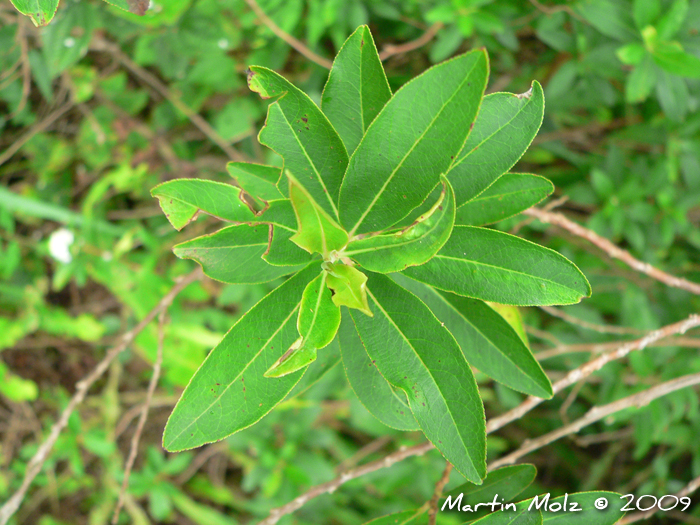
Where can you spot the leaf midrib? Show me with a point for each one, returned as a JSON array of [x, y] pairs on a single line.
[[262, 347], [391, 321], [415, 144]]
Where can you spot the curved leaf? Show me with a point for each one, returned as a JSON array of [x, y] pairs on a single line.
[[423, 359], [504, 129], [349, 286], [234, 255], [257, 180], [411, 142], [40, 11], [508, 196], [298, 131], [357, 88], [282, 251], [487, 340], [183, 199], [329, 358], [279, 212], [495, 266], [229, 393], [374, 392], [410, 247]]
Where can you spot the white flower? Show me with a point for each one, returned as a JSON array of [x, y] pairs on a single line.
[[60, 242]]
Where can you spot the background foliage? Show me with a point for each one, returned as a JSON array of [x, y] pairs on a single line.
[[101, 105]]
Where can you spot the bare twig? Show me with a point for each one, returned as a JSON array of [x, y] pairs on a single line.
[[613, 251], [603, 329], [278, 31], [637, 516], [37, 128], [391, 50], [597, 413], [597, 348], [491, 426], [37, 462], [583, 371], [142, 419], [99, 44], [435, 500]]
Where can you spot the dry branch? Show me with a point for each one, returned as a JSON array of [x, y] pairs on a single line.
[[37, 462]]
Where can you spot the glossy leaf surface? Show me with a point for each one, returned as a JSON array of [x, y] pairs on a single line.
[[298, 131], [387, 404], [487, 340], [257, 180], [495, 266], [229, 393], [357, 88], [183, 199], [504, 129], [349, 286], [508, 196], [415, 353], [411, 246], [234, 255], [317, 232], [411, 142]]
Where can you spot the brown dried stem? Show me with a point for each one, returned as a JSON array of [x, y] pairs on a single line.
[[435, 500], [37, 462], [613, 251], [391, 50]]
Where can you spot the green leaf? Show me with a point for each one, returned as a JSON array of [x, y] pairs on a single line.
[[512, 316], [234, 255], [357, 88], [506, 483], [298, 131], [411, 142], [279, 212], [613, 18], [487, 340], [183, 199], [383, 401], [423, 359], [317, 231], [257, 180], [504, 129], [495, 266], [319, 318], [589, 514], [138, 7], [282, 251], [521, 515], [641, 81], [324, 363], [672, 58], [229, 393], [673, 20], [407, 517], [645, 12], [348, 285], [40, 11], [411, 246], [508, 196], [672, 92], [300, 355]]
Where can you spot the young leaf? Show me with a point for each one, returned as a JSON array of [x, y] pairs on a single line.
[[348, 285], [318, 318], [487, 340], [298, 131], [300, 355], [589, 514], [495, 266], [379, 398], [282, 252], [506, 483], [671, 57], [423, 359], [511, 314], [411, 142], [259, 181], [357, 88], [317, 231], [183, 199], [504, 129], [229, 393], [233, 255], [508, 196], [411, 246], [324, 363]]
